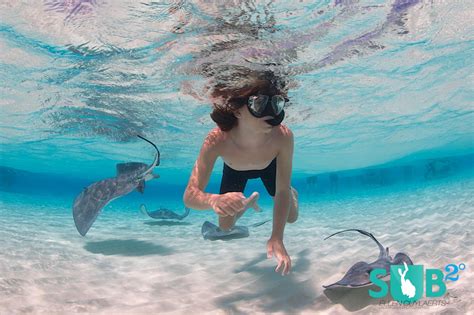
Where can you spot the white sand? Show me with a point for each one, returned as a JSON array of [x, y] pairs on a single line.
[[128, 264]]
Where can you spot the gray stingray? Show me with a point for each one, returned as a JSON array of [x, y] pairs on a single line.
[[96, 196], [212, 232], [358, 274], [164, 214]]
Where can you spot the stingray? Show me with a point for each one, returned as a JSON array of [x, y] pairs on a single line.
[[358, 275], [212, 232], [96, 196], [164, 214]]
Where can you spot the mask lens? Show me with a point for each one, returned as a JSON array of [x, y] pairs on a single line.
[[278, 102], [258, 103]]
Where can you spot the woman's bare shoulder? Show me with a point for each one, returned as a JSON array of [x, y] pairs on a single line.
[[284, 133], [214, 139]]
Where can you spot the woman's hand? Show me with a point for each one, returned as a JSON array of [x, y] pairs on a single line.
[[228, 204], [276, 248]]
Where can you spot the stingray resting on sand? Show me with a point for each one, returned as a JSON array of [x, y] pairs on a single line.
[[96, 196], [212, 232], [359, 274], [164, 214]]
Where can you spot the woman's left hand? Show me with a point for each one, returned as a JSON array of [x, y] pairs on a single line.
[[276, 248]]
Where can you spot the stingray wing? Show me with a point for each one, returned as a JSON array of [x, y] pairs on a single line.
[[141, 186], [401, 258], [356, 276], [212, 232], [90, 202], [131, 168]]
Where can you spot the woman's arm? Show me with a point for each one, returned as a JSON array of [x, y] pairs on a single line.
[[281, 206], [194, 196]]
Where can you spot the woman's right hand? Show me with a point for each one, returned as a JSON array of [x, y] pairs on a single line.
[[228, 204]]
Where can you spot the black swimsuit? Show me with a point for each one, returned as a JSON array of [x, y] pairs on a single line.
[[233, 180]]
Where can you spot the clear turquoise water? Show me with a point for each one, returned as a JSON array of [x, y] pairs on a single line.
[[381, 97], [373, 81]]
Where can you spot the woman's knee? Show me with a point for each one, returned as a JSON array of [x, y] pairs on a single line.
[[292, 218], [293, 215]]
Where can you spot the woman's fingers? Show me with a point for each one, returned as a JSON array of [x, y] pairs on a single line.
[[224, 212], [280, 263], [229, 211], [237, 205], [284, 264], [226, 207], [230, 208], [287, 266], [233, 203], [220, 212]]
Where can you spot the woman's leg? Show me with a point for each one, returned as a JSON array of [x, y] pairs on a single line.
[[231, 181], [226, 223], [293, 213], [269, 180]]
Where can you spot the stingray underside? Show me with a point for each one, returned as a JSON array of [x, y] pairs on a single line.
[[357, 276], [90, 202]]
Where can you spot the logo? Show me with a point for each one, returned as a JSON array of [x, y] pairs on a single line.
[[407, 285]]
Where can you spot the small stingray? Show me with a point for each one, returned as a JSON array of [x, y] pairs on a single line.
[[212, 232], [359, 274], [96, 196], [164, 214]]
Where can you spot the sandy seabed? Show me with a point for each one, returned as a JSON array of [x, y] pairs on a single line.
[[129, 264]]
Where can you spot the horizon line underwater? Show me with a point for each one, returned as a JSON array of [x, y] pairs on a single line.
[[237, 157]]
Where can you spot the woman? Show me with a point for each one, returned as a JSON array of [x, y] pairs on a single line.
[[253, 143]]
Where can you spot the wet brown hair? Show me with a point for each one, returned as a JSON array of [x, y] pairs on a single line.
[[232, 89]]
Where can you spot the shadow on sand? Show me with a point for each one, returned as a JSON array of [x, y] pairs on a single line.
[[127, 248], [271, 292], [356, 299]]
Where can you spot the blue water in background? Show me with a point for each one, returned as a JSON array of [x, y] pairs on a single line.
[[381, 107], [381, 93]]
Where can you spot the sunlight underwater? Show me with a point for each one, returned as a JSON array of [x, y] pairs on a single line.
[[380, 106]]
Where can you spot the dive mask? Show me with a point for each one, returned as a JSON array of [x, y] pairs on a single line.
[[261, 106]]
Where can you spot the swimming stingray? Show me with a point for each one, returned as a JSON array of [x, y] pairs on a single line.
[[93, 198], [358, 274], [164, 214]]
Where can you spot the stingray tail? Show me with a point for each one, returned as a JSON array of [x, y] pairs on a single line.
[[383, 252], [259, 223], [143, 209], [185, 214], [156, 161]]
